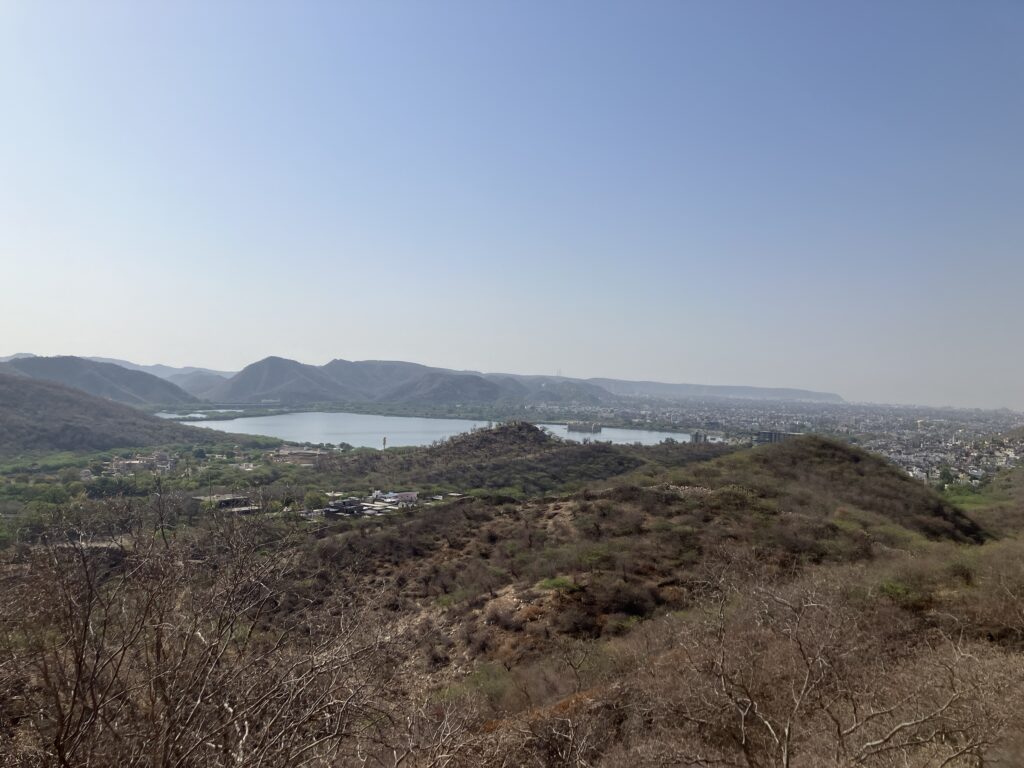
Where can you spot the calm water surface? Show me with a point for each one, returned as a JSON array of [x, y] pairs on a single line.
[[368, 431], [357, 429], [617, 435]]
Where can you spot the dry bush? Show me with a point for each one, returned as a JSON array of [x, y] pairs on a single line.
[[768, 675], [146, 651], [994, 606]]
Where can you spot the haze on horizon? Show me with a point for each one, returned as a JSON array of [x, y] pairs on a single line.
[[795, 194]]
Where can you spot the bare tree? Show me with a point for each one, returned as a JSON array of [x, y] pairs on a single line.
[[147, 650], [789, 677]]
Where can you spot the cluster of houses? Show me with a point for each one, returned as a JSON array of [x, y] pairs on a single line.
[[232, 502], [338, 503], [302, 457], [158, 462], [376, 503]]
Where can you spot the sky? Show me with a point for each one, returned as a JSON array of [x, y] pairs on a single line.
[[814, 194]]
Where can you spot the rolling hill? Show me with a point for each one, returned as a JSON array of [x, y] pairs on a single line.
[[38, 415], [288, 382], [277, 380], [554, 391], [812, 483], [565, 590], [105, 380], [160, 371], [373, 378], [513, 457], [197, 383], [393, 381], [438, 388]]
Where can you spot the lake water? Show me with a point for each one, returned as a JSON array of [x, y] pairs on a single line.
[[617, 435], [368, 431], [198, 415]]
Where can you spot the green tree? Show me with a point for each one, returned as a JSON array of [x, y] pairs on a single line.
[[315, 500]]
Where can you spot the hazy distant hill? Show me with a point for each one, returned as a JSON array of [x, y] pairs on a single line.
[[373, 379], [393, 381], [342, 381], [554, 391], [197, 383], [688, 391], [276, 379], [289, 382], [160, 371], [10, 370], [37, 415], [106, 380], [439, 388]]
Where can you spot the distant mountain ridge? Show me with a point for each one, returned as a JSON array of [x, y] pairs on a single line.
[[106, 380], [195, 382], [168, 372], [39, 415], [690, 391], [160, 371], [278, 380], [275, 379]]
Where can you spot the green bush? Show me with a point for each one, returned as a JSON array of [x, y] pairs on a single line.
[[560, 583]]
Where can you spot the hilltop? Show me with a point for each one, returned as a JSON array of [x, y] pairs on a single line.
[[168, 372], [614, 550], [38, 415], [289, 382], [615, 543], [402, 382], [160, 371], [812, 478], [277, 379], [105, 380], [195, 382], [515, 459]]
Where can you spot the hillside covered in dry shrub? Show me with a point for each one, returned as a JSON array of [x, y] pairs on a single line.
[[803, 604]]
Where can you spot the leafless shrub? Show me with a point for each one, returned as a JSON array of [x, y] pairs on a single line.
[[143, 650]]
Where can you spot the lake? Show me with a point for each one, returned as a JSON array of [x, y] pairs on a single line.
[[618, 435], [368, 431], [197, 415]]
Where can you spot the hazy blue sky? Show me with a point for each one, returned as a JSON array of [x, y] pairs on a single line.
[[817, 194]]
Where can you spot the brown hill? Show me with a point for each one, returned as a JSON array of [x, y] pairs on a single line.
[[815, 479], [516, 458], [39, 415]]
